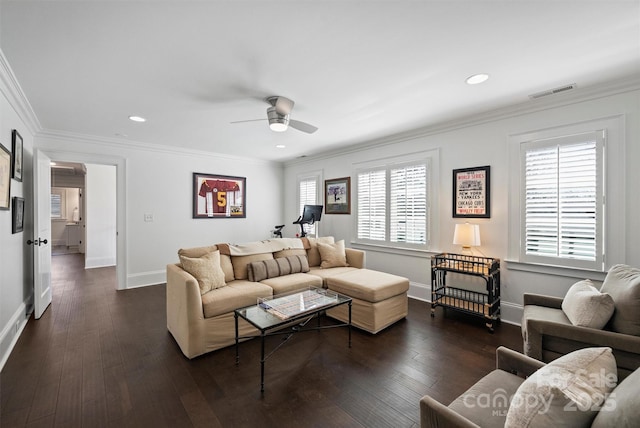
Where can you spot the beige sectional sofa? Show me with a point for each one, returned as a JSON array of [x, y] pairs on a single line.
[[210, 282]]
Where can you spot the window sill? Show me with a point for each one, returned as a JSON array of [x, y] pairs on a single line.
[[413, 252], [556, 270]]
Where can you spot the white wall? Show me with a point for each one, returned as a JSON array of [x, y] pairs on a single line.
[[159, 181], [476, 142], [16, 257], [100, 194]]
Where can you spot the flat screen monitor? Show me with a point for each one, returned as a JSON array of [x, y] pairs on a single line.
[[311, 213]]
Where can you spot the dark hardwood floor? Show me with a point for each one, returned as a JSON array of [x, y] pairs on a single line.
[[101, 357]]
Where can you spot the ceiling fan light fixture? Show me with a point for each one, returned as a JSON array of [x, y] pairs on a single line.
[[277, 121]]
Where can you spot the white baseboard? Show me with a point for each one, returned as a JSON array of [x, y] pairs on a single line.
[[12, 330], [144, 279]]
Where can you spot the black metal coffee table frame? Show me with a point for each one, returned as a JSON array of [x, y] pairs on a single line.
[[288, 327]]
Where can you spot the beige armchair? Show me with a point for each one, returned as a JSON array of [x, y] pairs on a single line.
[[548, 333], [517, 390]]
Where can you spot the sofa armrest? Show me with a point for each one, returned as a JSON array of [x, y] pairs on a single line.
[[184, 307], [437, 415], [541, 300], [355, 258], [516, 363]]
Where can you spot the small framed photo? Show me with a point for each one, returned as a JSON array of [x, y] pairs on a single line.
[[17, 218], [337, 196], [471, 192], [16, 170], [5, 178], [219, 196]]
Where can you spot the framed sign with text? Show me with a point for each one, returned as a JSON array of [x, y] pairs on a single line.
[[471, 192]]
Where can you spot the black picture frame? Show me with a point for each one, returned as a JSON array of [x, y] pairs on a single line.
[[219, 196], [337, 196], [17, 216], [16, 144], [472, 192], [5, 178]]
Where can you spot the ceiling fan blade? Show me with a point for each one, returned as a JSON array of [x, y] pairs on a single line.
[[302, 126], [249, 120], [284, 105]]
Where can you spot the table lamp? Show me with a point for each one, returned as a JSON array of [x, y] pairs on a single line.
[[467, 235]]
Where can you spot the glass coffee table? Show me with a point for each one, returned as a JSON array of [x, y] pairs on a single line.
[[289, 314]]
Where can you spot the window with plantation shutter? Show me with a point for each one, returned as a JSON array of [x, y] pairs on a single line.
[[372, 212], [308, 195], [393, 204], [408, 204], [562, 200]]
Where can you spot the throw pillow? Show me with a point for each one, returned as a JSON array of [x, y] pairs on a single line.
[[566, 392], [264, 269], [241, 263], [332, 255], [623, 284], [312, 253], [206, 270], [585, 306]]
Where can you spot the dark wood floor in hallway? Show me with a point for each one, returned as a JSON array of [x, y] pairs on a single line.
[[101, 357]]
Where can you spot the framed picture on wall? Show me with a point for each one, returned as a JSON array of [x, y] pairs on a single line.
[[219, 196], [16, 170], [337, 196], [471, 192], [17, 218], [5, 178]]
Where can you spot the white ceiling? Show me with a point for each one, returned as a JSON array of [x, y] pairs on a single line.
[[358, 70]]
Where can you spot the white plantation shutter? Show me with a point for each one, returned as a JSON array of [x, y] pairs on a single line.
[[372, 190], [392, 204], [408, 204], [563, 199], [308, 195]]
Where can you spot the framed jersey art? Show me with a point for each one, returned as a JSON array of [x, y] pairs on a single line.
[[219, 196]]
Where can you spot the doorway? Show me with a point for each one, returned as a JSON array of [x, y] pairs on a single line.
[[115, 253]]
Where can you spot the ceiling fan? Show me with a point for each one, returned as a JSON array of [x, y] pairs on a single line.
[[278, 116]]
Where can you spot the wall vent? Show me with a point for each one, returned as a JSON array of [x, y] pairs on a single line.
[[553, 91]]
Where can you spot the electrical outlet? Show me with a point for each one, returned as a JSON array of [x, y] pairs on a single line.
[[148, 217]]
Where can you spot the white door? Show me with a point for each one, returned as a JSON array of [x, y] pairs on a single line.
[[42, 231]]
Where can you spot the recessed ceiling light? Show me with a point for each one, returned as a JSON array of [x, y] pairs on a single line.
[[477, 78], [280, 146], [137, 119]]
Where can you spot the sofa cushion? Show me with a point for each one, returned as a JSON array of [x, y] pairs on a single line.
[[225, 260], [264, 269], [236, 294], [585, 306], [332, 255], [312, 253], [206, 270], [566, 392], [486, 403], [623, 284], [295, 281], [241, 263], [621, 409], [368, 285]]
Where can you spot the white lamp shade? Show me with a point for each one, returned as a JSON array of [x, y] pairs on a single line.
[[467, 235]]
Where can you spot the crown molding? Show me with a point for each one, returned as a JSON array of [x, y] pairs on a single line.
[[120, 144], [16, 97], [576, 96]]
